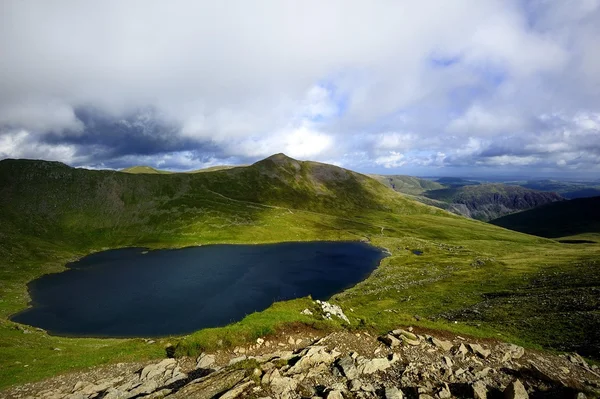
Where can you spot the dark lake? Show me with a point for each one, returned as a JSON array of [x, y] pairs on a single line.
[[133, 293]]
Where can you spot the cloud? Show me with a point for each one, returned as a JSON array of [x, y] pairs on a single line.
[[399, 85]]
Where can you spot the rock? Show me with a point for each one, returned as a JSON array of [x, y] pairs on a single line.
[[335, 394], [260, 341], [442, 344], [311, 357], [390, 340], [306, 390], [366, 366], [479, 390], [515, 390], [512, 352], [210, 386], [237, 391], [282, 387], [291, 341], [158, 394], [307, 312], [237, 360], [334, 310], [348, 368], [157, 369], [393, 393], [205, 361], [448, 361], [479, 350], [444, 393], [355, 385], [425, 396], [403, 333]]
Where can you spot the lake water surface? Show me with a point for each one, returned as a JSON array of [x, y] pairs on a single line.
[[131, 292]]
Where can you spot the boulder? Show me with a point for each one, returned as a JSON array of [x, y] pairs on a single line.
[[210, 386], [515, 390], [442, 344], [311, 357], [348, 368], [479, 390], [390, 340], [237, 391], [393, 393], [480, 351], [512, 352]]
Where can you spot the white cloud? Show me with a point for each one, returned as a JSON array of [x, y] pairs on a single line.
[[391, 160], [312, 79]]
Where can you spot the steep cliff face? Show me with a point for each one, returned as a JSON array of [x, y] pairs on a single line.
[[490, 201]]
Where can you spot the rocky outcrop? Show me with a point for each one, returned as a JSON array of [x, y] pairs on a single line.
[[400, 364]]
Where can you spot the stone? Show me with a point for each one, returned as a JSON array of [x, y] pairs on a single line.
[[306, 390], [210, 386], [334, 310], [390, 340], [393, 393], [479, 390], [448, 361], [461, 350], [348, 368], [444, 393], [355, 385], [515, 390], [413, 342], [237, 360], [307, 312], [237, 391], [205, 361], [442, 344], [480, 351], [335, 394], [311, 357], [512, 352], [372, 366], [282, 387], [260, 341], [291, 341]]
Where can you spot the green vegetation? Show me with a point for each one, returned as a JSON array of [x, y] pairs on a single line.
[[407, 184], [51, 214]]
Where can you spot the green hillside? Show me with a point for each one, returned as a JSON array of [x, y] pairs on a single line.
[[407, 184], [562, 219], [468, 279]]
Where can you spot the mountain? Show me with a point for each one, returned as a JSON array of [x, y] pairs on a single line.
[[443, 271], [407, 184], [490, 201], [567, 189], [561, 219]]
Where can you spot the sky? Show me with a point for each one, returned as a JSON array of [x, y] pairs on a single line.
[[461, 87]]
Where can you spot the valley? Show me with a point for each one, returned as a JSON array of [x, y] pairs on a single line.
[[467, 279]]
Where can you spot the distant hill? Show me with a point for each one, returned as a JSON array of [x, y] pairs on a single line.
[[144, 169], [141, 169], [560, 219], [407, 184], [457, 181], [490, 201], [567, 189]]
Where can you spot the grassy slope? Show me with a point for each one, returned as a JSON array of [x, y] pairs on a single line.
[[407, 184], [568, 218], [51, 213]]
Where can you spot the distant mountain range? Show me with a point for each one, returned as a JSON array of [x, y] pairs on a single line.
[[469, 198]]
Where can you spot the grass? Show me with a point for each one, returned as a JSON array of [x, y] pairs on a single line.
[[470, 278]]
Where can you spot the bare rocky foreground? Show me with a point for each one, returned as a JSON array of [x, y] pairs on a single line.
[[341, 365]]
